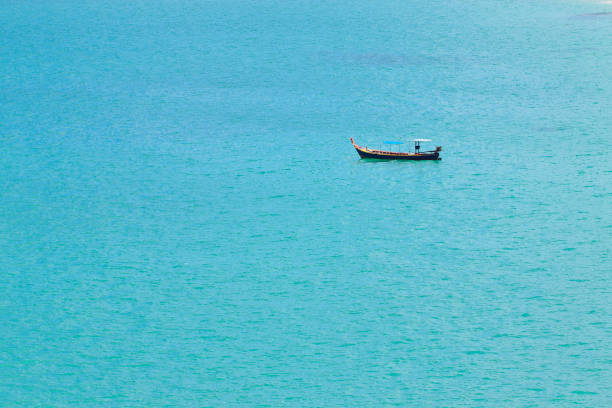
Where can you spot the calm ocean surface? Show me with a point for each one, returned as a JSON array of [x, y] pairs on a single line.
[[184, 222]]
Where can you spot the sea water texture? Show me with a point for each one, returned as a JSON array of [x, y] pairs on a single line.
[[183, 221]]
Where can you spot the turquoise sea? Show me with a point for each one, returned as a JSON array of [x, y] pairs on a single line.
[[183, 221]]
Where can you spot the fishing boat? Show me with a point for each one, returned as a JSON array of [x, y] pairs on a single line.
[[417, 154]]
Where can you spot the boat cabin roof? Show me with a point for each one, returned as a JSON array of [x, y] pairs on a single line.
[[421, 140]]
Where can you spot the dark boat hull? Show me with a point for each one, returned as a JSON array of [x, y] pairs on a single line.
[[398, 156]]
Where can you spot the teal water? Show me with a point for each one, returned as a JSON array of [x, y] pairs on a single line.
[[183, 221]]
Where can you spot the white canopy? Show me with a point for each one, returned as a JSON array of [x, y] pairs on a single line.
[[422, 140]]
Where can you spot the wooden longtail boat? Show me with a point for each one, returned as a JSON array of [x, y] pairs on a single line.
[[367, 153]]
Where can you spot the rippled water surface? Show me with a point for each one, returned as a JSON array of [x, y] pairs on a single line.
[[183, 221]]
